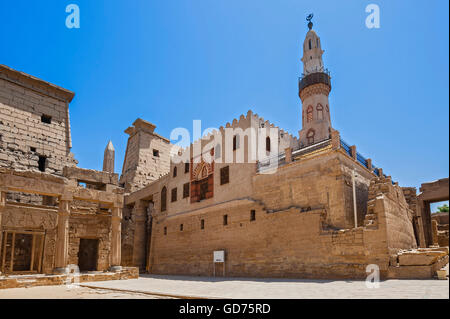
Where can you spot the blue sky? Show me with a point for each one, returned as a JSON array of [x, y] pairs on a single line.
[[173, 61]]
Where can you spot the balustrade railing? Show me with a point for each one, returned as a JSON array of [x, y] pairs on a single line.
[[280, 159]]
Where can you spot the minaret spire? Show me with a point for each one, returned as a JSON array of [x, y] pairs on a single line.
[[313, 89], [312, 51], [108, 158]]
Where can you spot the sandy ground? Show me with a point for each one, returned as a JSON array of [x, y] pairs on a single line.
[[62, 292], [155, 287], [246, 288]]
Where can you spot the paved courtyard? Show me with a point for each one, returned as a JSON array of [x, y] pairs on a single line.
[[153, 287], [62, 292], [277, 288]]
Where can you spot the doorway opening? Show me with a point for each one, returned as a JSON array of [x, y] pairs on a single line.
[[22, 251], [88, 254]]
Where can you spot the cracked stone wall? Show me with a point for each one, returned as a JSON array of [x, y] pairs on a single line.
[[25, 135]]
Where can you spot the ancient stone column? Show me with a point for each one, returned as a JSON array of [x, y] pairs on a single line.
[[422, 242], [116, 221], [151, 238], [139, 215], [62, 243], [150, 211], [434, 229]]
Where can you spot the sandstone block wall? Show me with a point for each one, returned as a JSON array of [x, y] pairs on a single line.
[[23, 135], [388, 204], [25, 139], [442, 231], [297, 231], [322, 181], [295, 234], [288, 243], [141, 165]]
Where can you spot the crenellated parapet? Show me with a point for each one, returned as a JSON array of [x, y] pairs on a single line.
[[249, 120]]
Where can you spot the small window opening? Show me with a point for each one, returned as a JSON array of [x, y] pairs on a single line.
[[225, 220], [186, 190], [165, 230], [42, 163], [174, 195], [224, 175], [46, 119], [202, 224], [252, 215], [155, 153], [181, 227], [267, 144], [163, 199], [218, 151], [82, 184]]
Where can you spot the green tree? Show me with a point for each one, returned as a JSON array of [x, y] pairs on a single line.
[[443, 208]]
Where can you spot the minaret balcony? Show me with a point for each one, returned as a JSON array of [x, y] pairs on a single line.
[[314, 78]]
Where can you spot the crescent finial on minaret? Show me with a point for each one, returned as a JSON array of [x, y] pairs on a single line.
[[309, 18]]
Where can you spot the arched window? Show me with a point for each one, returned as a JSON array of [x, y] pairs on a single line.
[[310, 44], [267, 144], [218, 151], [309, 114], [310, 136], [163, 199], [175, 171], [319, 111], [235, 142]]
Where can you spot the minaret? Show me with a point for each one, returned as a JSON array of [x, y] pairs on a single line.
[[313, 89], [108, 158]]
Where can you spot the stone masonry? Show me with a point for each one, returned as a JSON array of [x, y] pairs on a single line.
[[310, 206], [54, 216], [324, 212], [34, 124]]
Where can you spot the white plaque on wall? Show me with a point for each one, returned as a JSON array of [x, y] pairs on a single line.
[[219, 256]]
